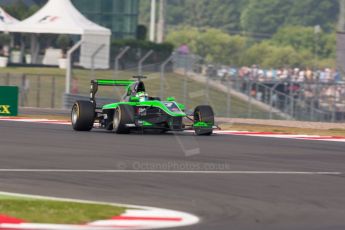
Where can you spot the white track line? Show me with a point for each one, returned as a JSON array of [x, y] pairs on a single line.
[[171, 172]]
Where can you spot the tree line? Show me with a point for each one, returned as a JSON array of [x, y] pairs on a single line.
[[271, 33], [262, 18]]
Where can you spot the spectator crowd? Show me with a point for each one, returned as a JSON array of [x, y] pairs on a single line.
[[324, 88], [282, 74]]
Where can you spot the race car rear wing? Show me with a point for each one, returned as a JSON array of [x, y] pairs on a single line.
[[103, 82]]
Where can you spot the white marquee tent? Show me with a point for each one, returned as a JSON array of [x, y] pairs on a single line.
[[61, 17], [6, 20]]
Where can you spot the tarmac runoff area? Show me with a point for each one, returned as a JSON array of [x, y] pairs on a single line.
[[227, 180]]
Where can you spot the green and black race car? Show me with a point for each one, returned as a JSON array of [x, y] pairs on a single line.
[[138, 111]]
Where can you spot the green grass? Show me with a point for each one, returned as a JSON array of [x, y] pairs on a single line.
[[33, 70], [56, 212], [174, 86], [7, 197]]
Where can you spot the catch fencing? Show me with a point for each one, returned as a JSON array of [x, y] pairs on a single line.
[[309, 100], [192, 81], [36, 90]]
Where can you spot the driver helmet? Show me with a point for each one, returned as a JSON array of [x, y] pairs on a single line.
[[142, 96]]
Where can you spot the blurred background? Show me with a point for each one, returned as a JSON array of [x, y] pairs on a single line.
[[267, 59]]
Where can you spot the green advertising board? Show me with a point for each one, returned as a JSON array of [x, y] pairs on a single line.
[[8, 101]]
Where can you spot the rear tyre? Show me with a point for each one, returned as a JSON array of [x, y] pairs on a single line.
[[123, 115], [204, 113], [83, 115]]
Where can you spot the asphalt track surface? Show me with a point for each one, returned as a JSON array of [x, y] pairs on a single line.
[[223, 201]]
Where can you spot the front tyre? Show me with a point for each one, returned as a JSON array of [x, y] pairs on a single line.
[[123, 115], [204, 113], [83, 115]]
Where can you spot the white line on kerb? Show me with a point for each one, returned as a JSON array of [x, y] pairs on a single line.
[[170, 172]]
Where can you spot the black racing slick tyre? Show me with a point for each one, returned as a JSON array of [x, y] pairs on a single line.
[[123, 115], [83, 115], [204, 113]]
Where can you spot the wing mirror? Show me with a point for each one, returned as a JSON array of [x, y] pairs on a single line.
[[134, 99], [170, 99], [182, 107]]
